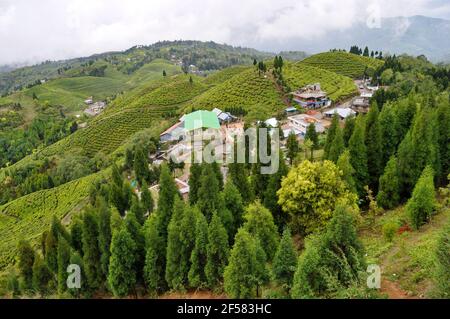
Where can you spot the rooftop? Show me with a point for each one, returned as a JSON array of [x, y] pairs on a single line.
[[201, 119]]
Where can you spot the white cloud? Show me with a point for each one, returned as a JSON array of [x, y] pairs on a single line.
[[50, 29]]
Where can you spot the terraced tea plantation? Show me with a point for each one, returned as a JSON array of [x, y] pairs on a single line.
[[255, 93], [337, 86], [27, 217], [343, 63]]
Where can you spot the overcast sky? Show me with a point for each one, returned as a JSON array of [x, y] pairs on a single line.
[[36, 30]]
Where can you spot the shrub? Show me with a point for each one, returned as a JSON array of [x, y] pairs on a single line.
[[390, 228]]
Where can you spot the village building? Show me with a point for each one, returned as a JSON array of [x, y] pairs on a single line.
[[95, 109], [311, 97], [342, 112], [89, 101], [291, 111], [223, 117], [174, 133], [298, 124]]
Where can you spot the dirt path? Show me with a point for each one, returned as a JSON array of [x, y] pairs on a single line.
[[394, 291]]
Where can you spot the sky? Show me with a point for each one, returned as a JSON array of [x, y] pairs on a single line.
[[37, 30]]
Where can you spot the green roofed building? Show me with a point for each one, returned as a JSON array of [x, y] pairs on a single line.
[[201, 120]]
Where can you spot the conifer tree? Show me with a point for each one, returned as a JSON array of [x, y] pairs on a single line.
[[358, 157], [91, 251], [311, 134], [141, 165], [347, 170], [259, 223], [348, 129], [26, 258], [247, 268], [285, 260], [331, 135], [373, 140], [134, 228], [389, 132], [218, 173], [146, 199], [76, 259], [167, 194], [76, 234], [442, 257], [137, 209], [63, 263], [196, 275], [389, 190], [122, 269], [293, 147], [51, 251], [41, 276], [234, 204], [208, 193], [418, 149], [194, 182], [443, 122], [217, 251], [188, 238], [155, 257], [104, 236], [129, 158], [338, 146], [174, 242], [271, 197], [423, 202]]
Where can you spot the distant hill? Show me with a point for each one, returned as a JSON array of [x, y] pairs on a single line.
[[343, 63], [204, 55], [416, 35]]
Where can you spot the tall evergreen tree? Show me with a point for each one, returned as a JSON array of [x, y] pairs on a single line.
[[285, 260], [51, 251], [347, 170], [76, 234], [418, 149], [147, 199], [338, 146], [155, 257], [443, 123], [348, 129], [196, 275], [63, 263], [104, 236], [259, 223], [141, 165], [271, 197], [137, 209], [389, 190], [293, 147], [331, 135], [188, 238], [208, 194], [167, 194], [41, 276], [134, 228], [122, 270], [358, 157], [217, 251], [311, 134], [247, 268], [194, 182], [442, 257], [218, 172], [91, 251], [423, 201], [25, 263], [373, 139], [234, 203], [389, 132], [174, 277]]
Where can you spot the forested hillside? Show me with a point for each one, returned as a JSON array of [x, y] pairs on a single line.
[[372, 189]]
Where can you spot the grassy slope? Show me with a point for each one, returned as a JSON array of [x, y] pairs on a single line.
[[27, 217], [407, 261], [337, 86], [343, 63], [256, 94]]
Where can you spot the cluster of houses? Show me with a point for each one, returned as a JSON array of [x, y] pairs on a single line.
[[311, 97], [94, 108]]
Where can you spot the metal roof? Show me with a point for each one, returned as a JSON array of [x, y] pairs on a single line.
[[201, 119]]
